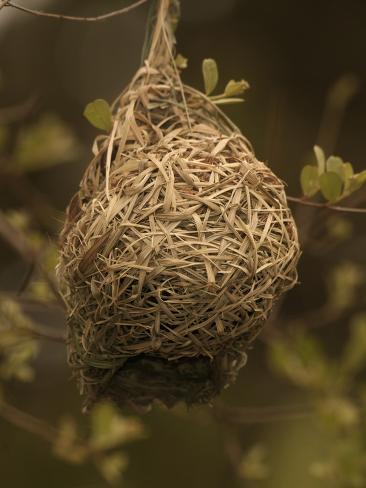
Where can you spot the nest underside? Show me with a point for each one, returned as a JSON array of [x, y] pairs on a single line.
[[174, 248], [147, 379]]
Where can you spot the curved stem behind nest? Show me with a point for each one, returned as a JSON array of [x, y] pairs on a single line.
[[162, 37], [40, 13], [150, 23], [161, 50]]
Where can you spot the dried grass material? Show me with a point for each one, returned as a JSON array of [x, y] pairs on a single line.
[[178, 241]]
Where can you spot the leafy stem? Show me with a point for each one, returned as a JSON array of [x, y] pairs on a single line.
[[327, 205]]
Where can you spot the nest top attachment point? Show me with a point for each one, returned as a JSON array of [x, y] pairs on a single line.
[[175, 247]]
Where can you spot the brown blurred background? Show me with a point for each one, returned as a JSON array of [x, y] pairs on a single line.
[[291, 53]]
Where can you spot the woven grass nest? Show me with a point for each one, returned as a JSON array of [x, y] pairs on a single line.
[[175, 247]]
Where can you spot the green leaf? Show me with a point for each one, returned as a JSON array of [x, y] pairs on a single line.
[[320, 158], [347, 176], [112, 466], [45, 143], [67, 443], [234, 88], [361, 177], [99, 114], [339, 228], [345, 466], [338, 411], [40, 290], [309, 180], [356, 181], [300, 359], [330, 186], [181, 62], [253, 465], [210, 75], [109, 428], [348, 170], [17, 348], [343, 283], [335, 165], [102, 418]]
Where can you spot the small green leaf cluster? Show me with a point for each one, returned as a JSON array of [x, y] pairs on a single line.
[[42, 144], [343, 284], [181, 62], [108, 431], [45, 143], [339, 228], [338, 397], [34, 243], [345, 466], [299, 358], [334, 178], [232, 89], [253, 464], [17, 347], [99, 114]]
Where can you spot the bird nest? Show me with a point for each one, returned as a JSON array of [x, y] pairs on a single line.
[[175, 247]]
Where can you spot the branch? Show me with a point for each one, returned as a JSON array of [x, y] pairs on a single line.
[[39, 13], [326, 205], [38, 427], [16, 239], [29, 253], [27, 422], [41, 333]]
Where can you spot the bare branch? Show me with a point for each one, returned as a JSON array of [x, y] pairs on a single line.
[[16, 240], [39, 13], [29, 253], [337, 208], [27, 422], [39, 332]]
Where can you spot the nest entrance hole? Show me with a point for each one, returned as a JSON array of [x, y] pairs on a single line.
[[145, 378]]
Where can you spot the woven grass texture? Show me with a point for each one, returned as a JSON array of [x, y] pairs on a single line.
[[176, 245]]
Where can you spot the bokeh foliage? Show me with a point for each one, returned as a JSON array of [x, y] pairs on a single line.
[[330, 383]]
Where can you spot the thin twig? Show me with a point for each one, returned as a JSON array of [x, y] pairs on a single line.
[[42, 333], [326, 205], [31, 198], [97, 18], [28, 252], [16, 239], [27, 422]]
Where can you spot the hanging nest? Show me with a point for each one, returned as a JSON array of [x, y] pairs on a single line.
[[175, 247]]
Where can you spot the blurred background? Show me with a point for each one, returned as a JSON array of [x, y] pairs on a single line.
[[305, 62]]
